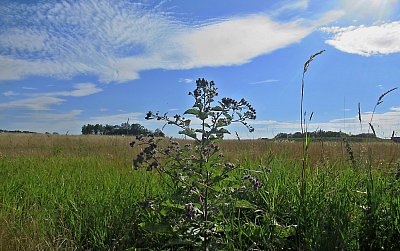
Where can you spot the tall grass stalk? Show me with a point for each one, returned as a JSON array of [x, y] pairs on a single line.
[[306, 143]]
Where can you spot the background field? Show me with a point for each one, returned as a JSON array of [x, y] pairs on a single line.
[[80, 192]]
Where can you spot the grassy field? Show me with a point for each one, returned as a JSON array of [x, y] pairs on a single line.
[[80, 192]]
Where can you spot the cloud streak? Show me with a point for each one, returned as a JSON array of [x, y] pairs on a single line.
[[43, 101], [238, 40], [80, 90], [37, 103], [45, 122], [117, 40], [267, 81], [369, 9]]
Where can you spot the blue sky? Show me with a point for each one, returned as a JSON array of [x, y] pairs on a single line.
[[71, 62]]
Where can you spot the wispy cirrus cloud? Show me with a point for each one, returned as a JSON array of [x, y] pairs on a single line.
[[116, 40], [51, 117], [363, 40], [267, 81], [39, 121], [43, 101], [116, 119], [37, 103], [80, 90], [375, 10], [238, 40], [293, 5], [186, 80], [10, 93]]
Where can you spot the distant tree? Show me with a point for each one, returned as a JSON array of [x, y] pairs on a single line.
[[108, 130], [159, 133], [123, 129], [322, 134], [281, 136]]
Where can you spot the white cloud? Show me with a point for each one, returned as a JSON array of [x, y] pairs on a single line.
[[45, 122], [173, 109], [43, 101], [23, 40], [238, 40], [69, 38], [80, 90], [37, 103], [185, 80], [328, 17], [115, 40], [51, 117], [267, 81], [366, 40], [293, 5], [369, 9], [116, 119], [10, 93]]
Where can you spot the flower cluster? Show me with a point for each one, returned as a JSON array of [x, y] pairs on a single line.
[[191, 211], [148, 154], [257, 184]]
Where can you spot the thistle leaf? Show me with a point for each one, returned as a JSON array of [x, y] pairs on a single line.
[[192, 111]]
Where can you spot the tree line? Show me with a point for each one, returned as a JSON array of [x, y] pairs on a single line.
[[123, 129], [322, 134]]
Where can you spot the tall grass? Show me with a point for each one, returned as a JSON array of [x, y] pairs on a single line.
[[72, 202], [85, 197]]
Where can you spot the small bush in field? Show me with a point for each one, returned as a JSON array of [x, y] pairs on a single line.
[[204, 184]]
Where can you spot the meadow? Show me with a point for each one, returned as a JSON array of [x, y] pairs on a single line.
[[62, 192]]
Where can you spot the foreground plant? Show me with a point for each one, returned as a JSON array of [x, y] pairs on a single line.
[[204, 184]]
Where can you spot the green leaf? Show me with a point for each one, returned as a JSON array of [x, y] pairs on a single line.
[[192, 111], [217, 108], [163, 212], [189, 133], [161, 228], [223, 130], [244, 204], [285, 232], [228, 116], [203, 115], [178, 242], [171, 205], [221, 122]]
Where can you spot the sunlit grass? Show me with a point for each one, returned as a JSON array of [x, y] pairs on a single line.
[[67, 192]]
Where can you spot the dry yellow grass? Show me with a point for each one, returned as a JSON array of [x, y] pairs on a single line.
[[117, 148]]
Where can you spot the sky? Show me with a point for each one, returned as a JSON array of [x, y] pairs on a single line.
[[67, 63]]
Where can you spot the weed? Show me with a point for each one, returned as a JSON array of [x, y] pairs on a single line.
[[203, 181]]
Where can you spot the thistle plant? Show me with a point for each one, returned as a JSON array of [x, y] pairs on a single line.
[[203, 182]]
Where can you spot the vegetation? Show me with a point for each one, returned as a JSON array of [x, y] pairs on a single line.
[[123, 129], [205, 186], [77, 192], [14, 131], [67, 192], [324, 134]]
